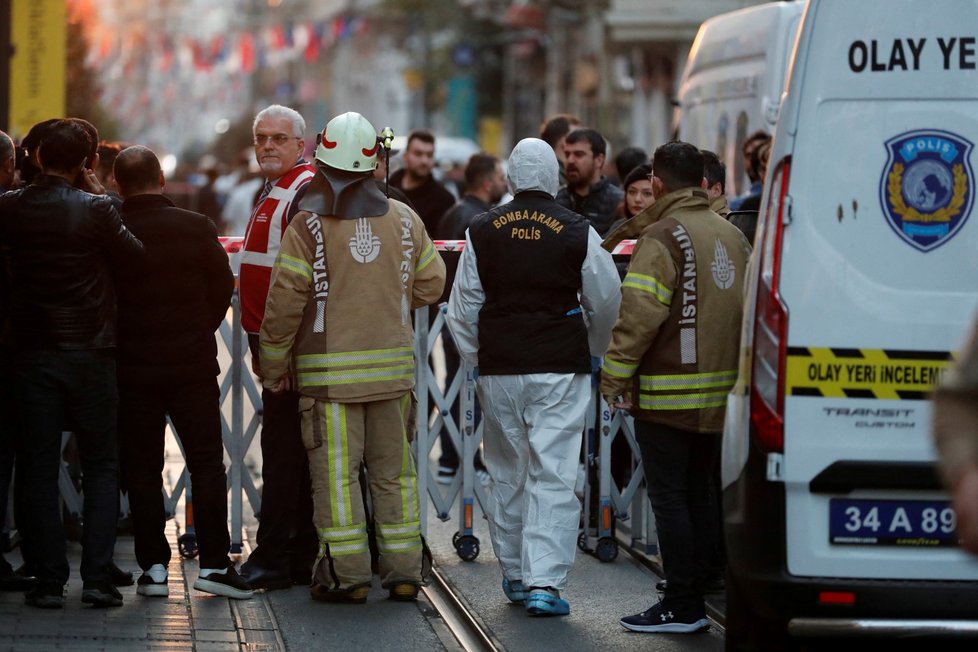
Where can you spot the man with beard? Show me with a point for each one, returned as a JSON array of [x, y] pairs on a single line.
[[588, 192], [426, 195]]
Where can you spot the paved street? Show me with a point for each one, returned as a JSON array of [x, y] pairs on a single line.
[[288, 620]]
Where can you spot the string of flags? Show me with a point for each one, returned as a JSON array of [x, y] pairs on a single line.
[[240, 52]]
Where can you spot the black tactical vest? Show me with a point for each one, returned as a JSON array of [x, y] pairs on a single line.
[[530, 252]]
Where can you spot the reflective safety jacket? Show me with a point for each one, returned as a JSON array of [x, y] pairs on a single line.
[[339, 306], [674, 349], [630, 229], [262, 238]]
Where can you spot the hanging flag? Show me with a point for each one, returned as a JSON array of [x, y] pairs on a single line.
[[314, 33], [247, 51]]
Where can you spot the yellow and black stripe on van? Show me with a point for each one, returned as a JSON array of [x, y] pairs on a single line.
[[864, 373]]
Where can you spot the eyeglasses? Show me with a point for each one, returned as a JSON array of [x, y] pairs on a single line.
[[278, 139]]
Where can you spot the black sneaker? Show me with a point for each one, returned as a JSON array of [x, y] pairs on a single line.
[[46, 595], [11, 580], [660, 618], [228, 584], [152, 583], [101, 593]]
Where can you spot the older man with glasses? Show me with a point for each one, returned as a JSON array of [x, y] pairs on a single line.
[[287, 542]]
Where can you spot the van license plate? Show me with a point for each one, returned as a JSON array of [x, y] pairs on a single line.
[[915, 523]]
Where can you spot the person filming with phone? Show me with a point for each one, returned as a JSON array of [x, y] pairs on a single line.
[[62, 246]]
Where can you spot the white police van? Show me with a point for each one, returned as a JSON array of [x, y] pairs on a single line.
[[733, 80], [863, 282]]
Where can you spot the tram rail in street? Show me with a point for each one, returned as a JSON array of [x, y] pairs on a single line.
[[469, 633]]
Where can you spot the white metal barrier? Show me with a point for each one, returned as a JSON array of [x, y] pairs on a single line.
[[240, 387]]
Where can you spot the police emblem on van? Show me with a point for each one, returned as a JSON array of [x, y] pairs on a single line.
[[927, 188]]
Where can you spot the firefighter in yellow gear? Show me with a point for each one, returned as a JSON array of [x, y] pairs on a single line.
[[352, 266]]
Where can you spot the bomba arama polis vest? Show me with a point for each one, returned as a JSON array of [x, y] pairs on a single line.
[[529, 255]]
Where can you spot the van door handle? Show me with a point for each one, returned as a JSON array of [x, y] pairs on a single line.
[[845, 476]]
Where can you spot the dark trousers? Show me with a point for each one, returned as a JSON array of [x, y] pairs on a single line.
[[287, 539], [8, 429], [54, 388], [679, 473], [194, 409]]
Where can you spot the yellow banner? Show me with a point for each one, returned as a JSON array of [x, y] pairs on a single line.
[[38, 33], [864, 373]]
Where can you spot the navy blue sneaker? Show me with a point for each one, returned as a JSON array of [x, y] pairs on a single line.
[[661, 618]]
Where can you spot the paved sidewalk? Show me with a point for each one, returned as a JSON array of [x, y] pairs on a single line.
[[187, 620]]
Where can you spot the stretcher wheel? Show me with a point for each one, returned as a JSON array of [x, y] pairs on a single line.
[[455, 538], [187, 544], [467, 547], [607, 550], [582, 542]]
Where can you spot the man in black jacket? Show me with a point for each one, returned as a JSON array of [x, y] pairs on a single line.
[[62, 245], [428, 197], [485, 184], [169, 308]]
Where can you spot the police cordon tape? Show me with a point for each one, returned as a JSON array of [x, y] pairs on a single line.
[[816, 371], [864, 373], [233, 244], [623, 248]]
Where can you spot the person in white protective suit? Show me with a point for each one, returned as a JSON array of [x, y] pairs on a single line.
[[534, 298]]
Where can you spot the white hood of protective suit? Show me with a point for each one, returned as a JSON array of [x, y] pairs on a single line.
[[533, 166]]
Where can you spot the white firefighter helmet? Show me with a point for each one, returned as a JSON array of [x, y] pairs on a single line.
[[348, 142]]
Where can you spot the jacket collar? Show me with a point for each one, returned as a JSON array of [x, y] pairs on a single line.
[[147, 201], [719, 204], [50, 180], [475, 201], [632, 228], [684, 199]]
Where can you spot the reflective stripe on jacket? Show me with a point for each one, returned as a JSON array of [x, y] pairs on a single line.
[[675, 345], [339, 307]]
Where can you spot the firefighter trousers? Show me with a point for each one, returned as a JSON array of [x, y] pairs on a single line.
[[339, 437]]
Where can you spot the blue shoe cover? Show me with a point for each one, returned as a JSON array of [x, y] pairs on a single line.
[[515, 591], [544, 604]]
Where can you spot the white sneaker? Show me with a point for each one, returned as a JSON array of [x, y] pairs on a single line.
[[152, 583]]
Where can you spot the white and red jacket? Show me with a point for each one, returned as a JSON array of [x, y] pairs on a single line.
[[262, 240]]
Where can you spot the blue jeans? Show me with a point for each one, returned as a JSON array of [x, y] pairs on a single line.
[[57, 391], [679, 473]]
